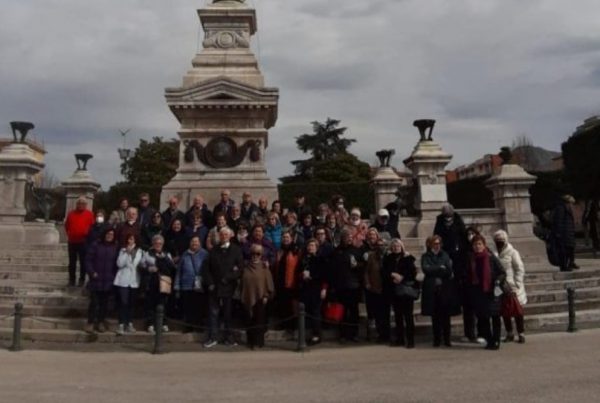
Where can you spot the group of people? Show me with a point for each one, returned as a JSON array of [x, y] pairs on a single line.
[[257, 262]]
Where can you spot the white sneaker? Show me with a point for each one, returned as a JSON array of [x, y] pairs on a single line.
[[481, 340], [121, 329], [165, 329], [151, 329], [210, 343], [130, 328]]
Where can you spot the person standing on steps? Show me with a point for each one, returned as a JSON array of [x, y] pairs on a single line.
[[77, 226], [563, 231], [127, 282], [101, 266], [515, 282]]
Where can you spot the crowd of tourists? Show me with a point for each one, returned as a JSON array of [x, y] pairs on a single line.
[[247, 265]]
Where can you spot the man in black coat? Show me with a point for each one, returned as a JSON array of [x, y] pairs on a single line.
[[172, 213], [221, 272], [348, 266], [451, 228], [198, 205], [563, 231]]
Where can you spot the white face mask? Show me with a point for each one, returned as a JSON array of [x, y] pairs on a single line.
[[100, 220]]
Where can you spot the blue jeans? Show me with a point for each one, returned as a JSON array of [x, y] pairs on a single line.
[[216, 306], [126, 297]]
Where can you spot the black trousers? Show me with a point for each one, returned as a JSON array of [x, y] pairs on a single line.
[[76, 251], [405, 321], [382, 306], [98, 306], [256, 324], [189, 307], [126, 300], [311, 299], [440, 321], [492, 326], [350, 299], [153, 300], [471, 326], [519, 321]]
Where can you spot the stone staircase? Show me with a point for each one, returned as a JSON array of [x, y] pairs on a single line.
[[37, 277]]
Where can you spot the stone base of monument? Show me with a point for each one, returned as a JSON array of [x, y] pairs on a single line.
[[258, 185], [29, 233]]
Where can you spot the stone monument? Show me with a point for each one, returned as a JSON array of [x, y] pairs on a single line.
[[386, 181], [18, 166], [427, 163], [225, 111], [79, 184]]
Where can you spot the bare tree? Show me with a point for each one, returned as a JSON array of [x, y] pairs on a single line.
[[48, 180]]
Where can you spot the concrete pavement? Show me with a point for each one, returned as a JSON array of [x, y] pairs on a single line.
[[549, 368]]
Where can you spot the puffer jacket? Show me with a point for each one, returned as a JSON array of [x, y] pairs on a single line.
[[101, 266], [188, 268], [515, 271], [128, 274]]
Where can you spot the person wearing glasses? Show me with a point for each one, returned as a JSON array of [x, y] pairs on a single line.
[[257, 290]]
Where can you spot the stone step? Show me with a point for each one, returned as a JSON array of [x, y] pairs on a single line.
[[563, 284], [538, 324], [50, 267], [33, 247], [560, 306], [34, 261], [21, 253], [562, 276], [561, 295]]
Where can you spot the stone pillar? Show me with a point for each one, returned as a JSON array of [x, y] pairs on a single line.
[[427, 163], [18, 166], [385, 183], [510, 187], [80, 184]]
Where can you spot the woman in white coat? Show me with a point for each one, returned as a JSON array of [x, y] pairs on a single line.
[[515, 280], [127, 282]]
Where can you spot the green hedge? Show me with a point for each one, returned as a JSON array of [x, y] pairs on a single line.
[[356, 194], [470, 193]]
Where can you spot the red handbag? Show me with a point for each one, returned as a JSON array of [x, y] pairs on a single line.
[[333, 312], [511, 306]]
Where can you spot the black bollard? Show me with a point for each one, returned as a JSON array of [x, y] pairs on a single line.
[[572, 319], [158, 328], [301, 328], [16, 344]]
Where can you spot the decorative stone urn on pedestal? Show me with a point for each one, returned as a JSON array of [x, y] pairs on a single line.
[[427, 163], [18, 166], [80, 184], [225, 112]]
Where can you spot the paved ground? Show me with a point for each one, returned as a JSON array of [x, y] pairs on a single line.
[[549, 368]]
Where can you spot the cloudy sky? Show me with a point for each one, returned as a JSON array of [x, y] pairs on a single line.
[[487, 70]]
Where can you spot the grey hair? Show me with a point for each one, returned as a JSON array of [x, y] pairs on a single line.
[[158, 237], [226, 229]]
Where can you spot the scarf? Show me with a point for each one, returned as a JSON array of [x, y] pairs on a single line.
[[481, 271]]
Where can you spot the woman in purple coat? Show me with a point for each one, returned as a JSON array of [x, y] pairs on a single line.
[[101, 266]]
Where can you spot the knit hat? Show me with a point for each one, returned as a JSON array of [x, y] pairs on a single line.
[[501, 235]]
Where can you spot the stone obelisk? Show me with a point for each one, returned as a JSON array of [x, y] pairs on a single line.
[[225, 112]]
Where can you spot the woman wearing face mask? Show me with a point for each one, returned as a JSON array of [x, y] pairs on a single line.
[[515, 281], [257, 290], [96, 230], [486, 279]]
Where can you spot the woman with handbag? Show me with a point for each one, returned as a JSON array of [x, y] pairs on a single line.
[[486, 280], [440, 299], [515, 297], [399, 275], [188, 281], [127, 281], [160, 270]]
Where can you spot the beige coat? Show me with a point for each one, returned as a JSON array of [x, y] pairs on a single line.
[[515, 271]]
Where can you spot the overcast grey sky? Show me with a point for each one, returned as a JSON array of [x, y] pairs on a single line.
[[487, 70]]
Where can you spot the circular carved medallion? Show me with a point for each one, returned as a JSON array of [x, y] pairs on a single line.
[[221, 152], [226, 40]]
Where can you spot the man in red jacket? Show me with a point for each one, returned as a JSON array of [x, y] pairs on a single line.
[[77, 226]]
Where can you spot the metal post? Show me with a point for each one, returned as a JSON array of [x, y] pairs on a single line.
[[16, 344], [158, 328], [301, 328], [572, 317]]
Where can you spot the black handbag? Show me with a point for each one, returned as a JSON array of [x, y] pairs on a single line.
[[407, 291]]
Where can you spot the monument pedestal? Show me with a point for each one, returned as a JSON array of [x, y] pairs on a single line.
[[80, 184], [225, 112], [385, 184], [510, 187], [427, 163], [17, 168]]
